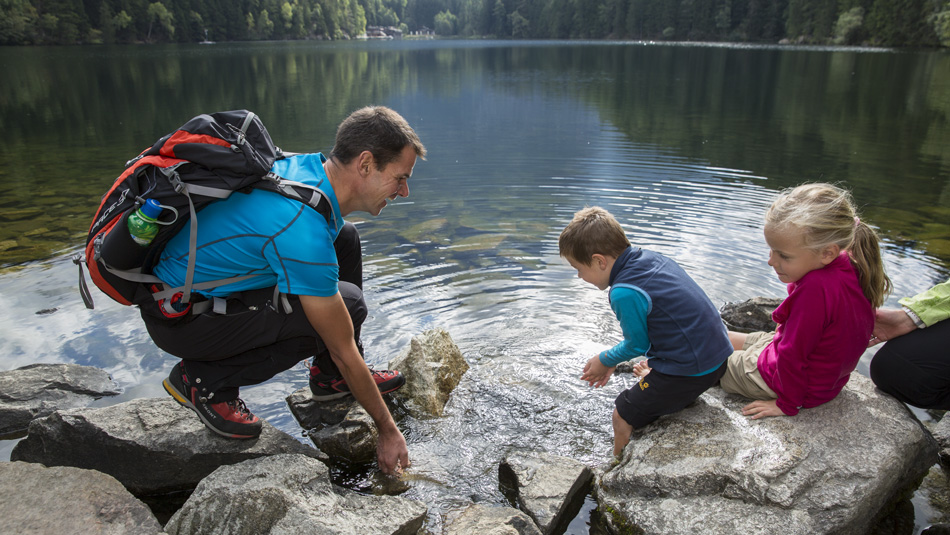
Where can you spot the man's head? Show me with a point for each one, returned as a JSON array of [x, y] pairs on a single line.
[[376, 129], [592, 231]]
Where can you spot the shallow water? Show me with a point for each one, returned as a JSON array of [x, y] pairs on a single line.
[[686, 145]]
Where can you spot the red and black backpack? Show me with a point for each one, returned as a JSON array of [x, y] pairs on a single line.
[[203, 161]]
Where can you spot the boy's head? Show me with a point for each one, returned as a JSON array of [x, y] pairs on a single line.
[[591, 242]]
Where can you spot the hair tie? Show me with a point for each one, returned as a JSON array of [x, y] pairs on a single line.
[[857, 221]]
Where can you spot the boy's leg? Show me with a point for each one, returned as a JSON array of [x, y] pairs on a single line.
[[622, 432]]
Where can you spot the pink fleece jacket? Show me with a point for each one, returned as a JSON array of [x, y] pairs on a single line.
[[823, 329]]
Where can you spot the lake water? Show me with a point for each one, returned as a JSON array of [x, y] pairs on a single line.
[[685, 144]]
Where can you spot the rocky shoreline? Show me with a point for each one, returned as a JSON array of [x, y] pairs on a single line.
[[706, 469]]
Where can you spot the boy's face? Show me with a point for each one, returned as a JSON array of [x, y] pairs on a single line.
[[597, 273]]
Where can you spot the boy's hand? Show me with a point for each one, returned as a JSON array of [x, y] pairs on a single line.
[[641, 368], [595, 373], [762, 409]]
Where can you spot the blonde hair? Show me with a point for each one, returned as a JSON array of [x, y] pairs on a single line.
[[826, 215], [592, 231]]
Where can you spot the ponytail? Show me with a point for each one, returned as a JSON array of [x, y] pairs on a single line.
[[865, 254]]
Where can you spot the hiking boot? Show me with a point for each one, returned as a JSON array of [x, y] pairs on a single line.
[[230, 419], [325, 388]]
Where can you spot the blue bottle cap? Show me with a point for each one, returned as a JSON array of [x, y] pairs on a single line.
[[151, 209]]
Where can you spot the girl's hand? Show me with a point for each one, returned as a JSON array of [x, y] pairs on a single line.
[[762, 409]]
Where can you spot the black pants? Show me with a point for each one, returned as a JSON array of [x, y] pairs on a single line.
[[256, 340], [915, 368]]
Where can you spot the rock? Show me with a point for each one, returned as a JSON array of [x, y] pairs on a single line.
[[491, 521], [38, 500], [750, 316], [354, 439], [830, 469], [289, 493], [37, 390], [941, 432], [550, 488], [340, 428], [433, 366], [152, 446]]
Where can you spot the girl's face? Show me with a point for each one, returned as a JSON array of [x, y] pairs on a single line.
[[789, 257]]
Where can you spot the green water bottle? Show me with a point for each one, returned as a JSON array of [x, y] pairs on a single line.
[[142, 222]]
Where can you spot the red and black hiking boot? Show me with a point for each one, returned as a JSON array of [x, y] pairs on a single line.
[[325, 387], [230, 419]]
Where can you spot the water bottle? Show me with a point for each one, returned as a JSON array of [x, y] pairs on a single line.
[[142, 225]]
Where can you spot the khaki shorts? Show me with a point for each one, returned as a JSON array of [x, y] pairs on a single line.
[[742, 372]]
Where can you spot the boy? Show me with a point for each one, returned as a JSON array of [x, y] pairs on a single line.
[[663, 314]]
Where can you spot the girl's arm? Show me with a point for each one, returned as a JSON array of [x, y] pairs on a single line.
[[801, 332]]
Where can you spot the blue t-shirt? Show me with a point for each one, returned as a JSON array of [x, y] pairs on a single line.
[[262, 233]]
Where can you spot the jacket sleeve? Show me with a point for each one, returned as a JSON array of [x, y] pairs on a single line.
[[931, 306], [631, 307], [802, 331]]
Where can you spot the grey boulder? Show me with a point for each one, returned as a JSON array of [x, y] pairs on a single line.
[[37, 390], [285, 494], [485, 520], [151, 445], [38, 500], [433, 367], [549, 488], [709, 469]]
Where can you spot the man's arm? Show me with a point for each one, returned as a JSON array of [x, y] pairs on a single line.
[[330, 319]]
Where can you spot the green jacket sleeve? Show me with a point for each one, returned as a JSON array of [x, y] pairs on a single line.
[[932, 305]]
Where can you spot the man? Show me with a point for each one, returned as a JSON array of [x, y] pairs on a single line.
[[316, 266]]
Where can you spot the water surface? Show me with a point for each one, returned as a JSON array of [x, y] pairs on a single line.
[[686, 145]]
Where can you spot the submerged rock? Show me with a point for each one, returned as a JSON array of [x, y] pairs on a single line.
[[830, 469], [486, 520], [37, 390], [751, 315], [549, 488], [340, 428], [433, 366], [152, 446], [289, 494], [40, 500]]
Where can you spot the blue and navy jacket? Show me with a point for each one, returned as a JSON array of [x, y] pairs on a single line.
[[682, 333]]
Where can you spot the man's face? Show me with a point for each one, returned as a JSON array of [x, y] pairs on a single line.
[[384, 185]]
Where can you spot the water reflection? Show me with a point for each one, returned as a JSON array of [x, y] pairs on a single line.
[[520, 137]]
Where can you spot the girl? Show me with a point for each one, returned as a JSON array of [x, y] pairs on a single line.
[[832, 264]]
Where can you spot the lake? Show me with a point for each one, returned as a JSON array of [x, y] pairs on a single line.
[[686, 144]]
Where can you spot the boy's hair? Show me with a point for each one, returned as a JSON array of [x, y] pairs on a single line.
[[592, 231], [378, 129], [826, 215]]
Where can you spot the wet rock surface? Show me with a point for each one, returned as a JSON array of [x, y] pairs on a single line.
[[751, 315], [482, 519], [549, 488]]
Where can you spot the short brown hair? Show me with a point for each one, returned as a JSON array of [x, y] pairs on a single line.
[[378, 129], [592, 231]]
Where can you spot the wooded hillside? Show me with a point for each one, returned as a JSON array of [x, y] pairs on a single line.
[[851, 22]]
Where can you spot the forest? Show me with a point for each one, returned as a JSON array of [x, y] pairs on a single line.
[[890, 23]]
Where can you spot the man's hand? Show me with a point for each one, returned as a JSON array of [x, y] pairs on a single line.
[[762, 409], [329, 317], [889, 323], [595, 373]]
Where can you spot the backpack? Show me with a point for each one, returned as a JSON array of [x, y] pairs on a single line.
[[203, 161]]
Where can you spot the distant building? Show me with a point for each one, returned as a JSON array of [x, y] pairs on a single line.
[[380, 32]]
